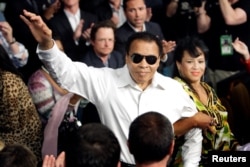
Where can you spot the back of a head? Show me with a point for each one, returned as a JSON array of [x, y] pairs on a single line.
[[150, 137], [95, 146], [17, 156]]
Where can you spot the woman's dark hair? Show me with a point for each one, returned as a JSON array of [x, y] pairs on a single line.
[[191, 45], [6, 63]]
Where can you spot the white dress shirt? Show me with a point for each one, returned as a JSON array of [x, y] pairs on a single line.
[[119, 100]]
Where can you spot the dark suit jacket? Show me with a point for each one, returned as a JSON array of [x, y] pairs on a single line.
[[104, 11], [62, 30], [116, 60], [123, 33]]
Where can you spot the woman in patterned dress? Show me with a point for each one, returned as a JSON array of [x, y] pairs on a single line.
[[191, 55]]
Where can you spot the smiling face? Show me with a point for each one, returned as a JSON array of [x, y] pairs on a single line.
[[192, 68], [142, 72]]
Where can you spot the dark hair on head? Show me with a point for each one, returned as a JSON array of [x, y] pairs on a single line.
[[146, 37], [17, 155], [125, 4], [189, 44], [6, 63], [150, 137], [102, 24], [95, 145]]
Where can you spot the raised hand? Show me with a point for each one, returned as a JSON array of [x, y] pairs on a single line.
[[241, 48], [6, 30], [168, 46], [78, 31], [86, 33], [39, 29]]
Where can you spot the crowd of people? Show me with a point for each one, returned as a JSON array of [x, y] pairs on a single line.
[[124, 82]]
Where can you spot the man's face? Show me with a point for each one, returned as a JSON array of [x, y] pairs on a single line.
[[136, 13], [142, 72], [104, 41]]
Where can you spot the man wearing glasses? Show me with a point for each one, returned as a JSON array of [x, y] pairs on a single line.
[[121, 95]]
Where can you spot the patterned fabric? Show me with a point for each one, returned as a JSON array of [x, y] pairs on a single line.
[[19, 121], [43, 94], [223, 139]]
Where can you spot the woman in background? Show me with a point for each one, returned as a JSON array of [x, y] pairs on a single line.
[[19, 121]]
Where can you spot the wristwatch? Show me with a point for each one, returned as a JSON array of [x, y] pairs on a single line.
[[13, 41]]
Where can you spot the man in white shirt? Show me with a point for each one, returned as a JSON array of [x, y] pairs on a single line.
[[121, 95]]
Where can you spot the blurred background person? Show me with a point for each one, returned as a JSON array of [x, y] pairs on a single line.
[[218, 22], [46, 9], [111, 10], [19, 120], [72, 26], [16, 50]]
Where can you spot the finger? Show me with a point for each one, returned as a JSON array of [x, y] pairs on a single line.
[[92, 24], [212, 129], [45, 161], [60, 161], [25, 20]]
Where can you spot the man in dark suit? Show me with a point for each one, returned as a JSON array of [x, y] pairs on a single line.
[[136, 14], [101, 54], [72, 26], [102, 38]]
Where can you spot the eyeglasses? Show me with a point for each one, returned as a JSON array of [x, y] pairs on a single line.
[[137, 58]]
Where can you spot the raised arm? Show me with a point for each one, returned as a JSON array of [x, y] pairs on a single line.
[[232, 16], [242, 48], [203, 20], [39, 29]]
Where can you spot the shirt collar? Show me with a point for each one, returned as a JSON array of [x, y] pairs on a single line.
[[68, 14], [143, 27], [124, 79]]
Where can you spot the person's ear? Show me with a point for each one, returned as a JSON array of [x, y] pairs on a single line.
[[171, 150], [178, 65]]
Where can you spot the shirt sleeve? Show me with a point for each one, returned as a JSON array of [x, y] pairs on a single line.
[[191, 149], [21, 58]]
